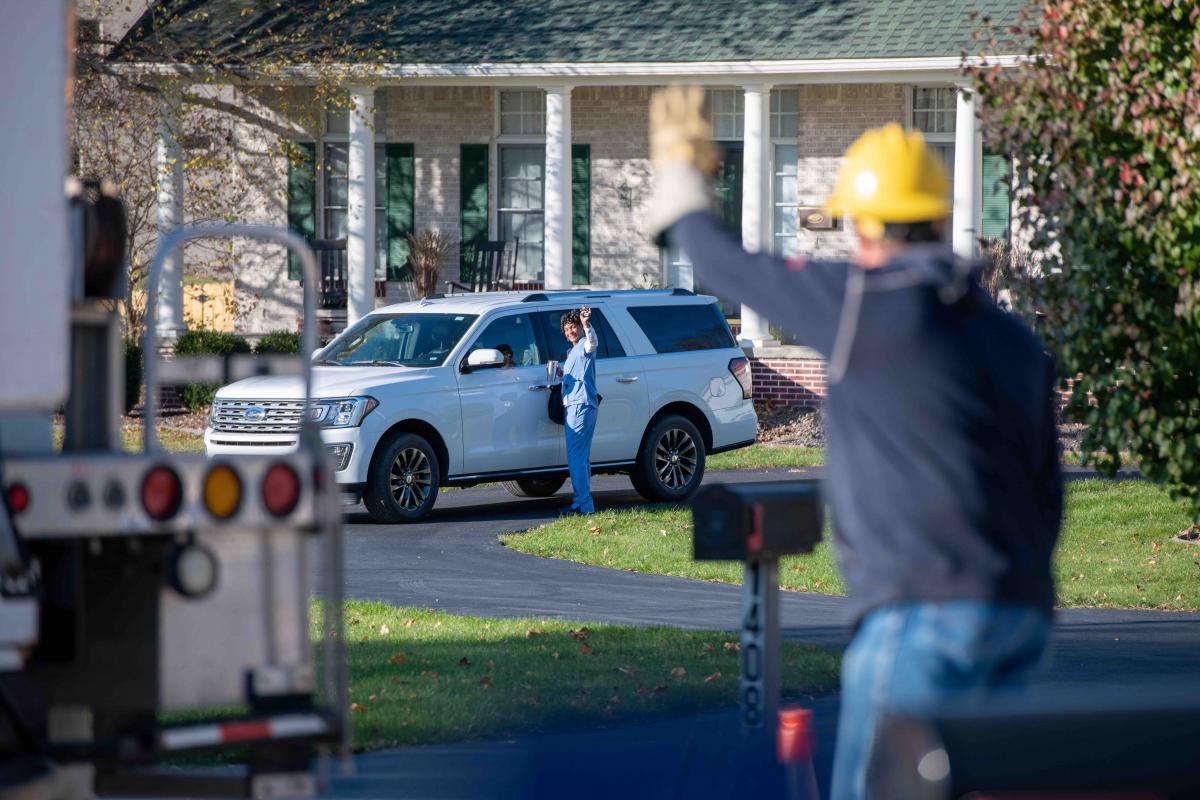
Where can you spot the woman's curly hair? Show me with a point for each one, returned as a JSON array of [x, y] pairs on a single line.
[[569, 318]]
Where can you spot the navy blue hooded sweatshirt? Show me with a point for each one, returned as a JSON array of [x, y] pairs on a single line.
[[942, 453]]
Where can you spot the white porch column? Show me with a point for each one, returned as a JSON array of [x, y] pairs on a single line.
[[557, 211], [168, 158], [968, 194], [756, 165], [360, 211]]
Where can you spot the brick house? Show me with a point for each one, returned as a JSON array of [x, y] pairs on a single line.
[[528, 119]]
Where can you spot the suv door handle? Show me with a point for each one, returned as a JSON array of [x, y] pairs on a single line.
[[627, 379], [540, 387]]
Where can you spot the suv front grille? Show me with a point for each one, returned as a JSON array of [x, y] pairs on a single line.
[[266, 416]]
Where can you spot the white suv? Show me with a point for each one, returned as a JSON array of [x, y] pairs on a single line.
[[452, 391]]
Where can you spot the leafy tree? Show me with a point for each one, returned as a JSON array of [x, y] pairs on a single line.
[[1104, 124], [237, 111]]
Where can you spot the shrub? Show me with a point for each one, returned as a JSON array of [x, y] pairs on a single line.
[[203, 342], [1102, 121], [133, 374], [280, 342]]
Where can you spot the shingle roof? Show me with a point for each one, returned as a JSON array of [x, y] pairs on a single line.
[[532, 31]]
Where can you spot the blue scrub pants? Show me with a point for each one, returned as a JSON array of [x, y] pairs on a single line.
[[580, 425]]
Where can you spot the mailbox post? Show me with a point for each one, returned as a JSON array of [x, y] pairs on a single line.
[[757, 523]]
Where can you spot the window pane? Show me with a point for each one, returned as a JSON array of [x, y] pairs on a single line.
[[415, 340], [380, 176], [677, 329], [510, 123], [335, 223], [514, 336], [381, 244], [785, 189], [337, 121], [336, 167], [786, 158], [789, 127]]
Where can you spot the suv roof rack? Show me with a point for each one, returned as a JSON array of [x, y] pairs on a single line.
[[537, 297]]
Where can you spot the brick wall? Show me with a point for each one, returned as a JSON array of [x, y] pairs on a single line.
[[613, 120], [789, 381]]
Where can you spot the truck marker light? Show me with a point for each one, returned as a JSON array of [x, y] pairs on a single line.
[[281, 490], [18, 498], [162, 493], [222, 491]]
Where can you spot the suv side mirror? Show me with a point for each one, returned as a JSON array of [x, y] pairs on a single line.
[[483, 358]]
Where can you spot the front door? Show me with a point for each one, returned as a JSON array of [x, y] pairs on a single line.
[[505, 424]]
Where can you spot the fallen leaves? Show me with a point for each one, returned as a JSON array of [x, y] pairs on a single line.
[[679, 672], [715, 676], [532, 632], [464, 662], [733, 647], [384, 630], [409, 622], [594, 531], [627, 670], [428, 673], [585, 648], [356, 708], [581, 634], [486, 681], [398, 659]]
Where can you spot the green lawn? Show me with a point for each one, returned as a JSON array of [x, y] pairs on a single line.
[[1116, 548], [766, 455], [420, 676], [175, 441]]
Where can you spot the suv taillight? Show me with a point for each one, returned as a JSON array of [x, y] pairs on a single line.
[[740, 367]]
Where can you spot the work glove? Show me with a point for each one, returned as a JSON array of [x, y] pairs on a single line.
[[684, 157]]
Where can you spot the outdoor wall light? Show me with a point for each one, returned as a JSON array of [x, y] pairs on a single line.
[[625, 195]]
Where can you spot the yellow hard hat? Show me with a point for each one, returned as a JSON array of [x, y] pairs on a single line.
[[889, 175]]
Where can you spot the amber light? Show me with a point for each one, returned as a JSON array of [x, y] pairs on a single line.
[[222, 491], [281, 490], [162, 493], [18, 498]]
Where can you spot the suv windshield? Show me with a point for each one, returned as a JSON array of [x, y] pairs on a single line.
[[400, 340]]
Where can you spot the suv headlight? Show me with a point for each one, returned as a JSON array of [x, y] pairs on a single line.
[[346, 412]]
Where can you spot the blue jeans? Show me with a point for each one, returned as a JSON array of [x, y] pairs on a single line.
[[924, 657], [580, 426]]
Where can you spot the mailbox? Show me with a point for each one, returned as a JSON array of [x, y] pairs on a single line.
[[756, 521]]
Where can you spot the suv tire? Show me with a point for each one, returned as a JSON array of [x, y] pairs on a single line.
[[670, 464], [403, 482], [535, 487]]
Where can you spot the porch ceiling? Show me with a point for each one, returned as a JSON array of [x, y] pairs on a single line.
[[556, 32]]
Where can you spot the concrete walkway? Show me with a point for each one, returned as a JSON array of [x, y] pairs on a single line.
[[454, 562]]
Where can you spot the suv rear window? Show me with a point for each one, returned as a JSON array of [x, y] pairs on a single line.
[[680, 328]]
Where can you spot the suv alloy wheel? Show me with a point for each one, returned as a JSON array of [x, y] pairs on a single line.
[[404, 480], [670, 464]]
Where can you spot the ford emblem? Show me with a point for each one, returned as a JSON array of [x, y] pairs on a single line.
[[254, 413]]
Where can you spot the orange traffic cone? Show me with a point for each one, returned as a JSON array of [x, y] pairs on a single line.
[[794, 750]]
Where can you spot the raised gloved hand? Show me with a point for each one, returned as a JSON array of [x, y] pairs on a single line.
[[679, 133], [684, 157]]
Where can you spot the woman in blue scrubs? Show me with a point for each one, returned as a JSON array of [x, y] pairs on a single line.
[[581, 404]]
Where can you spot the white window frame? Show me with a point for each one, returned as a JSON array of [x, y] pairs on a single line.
[[524, 114], [738, 115], [500, 140], [939, 141], [323, 171], [778, 141]]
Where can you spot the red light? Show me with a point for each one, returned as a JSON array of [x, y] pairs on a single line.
[[281, 490], [162, 493], [18, 498]]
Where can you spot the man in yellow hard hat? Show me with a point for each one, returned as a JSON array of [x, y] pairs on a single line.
[[942, 452]]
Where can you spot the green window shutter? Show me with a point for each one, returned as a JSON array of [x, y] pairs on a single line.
[[473, 200], [401, 188], [301, 196], [581, 213], [997, 201]]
